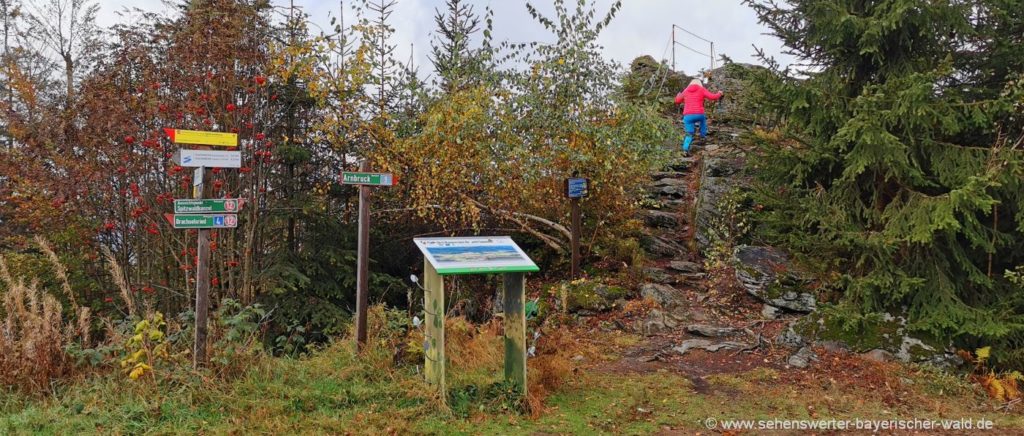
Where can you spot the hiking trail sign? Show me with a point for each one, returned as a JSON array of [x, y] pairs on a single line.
[[576, 187], [198, 137], [208, 158], [370, 179], [204, 221], [475, 255], [207, 205]]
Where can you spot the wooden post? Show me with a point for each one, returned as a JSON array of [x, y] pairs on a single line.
[[514, 304], [202, 286], [575, 189], [433, 342], [363, 260], [575, 241]]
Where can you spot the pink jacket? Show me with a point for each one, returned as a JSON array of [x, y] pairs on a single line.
[[693, 97]]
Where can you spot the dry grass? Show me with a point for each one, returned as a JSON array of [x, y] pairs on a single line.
[[475, 354], [552, 366], [117, 273], [33, 335], [58, 268], [480, 348], [471, 347]]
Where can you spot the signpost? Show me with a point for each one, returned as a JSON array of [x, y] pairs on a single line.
[[475, 255], [208, 158], [365, 180], [204, 214], [575, 189]]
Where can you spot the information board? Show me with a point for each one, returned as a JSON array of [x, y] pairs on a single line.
[[475, 255]]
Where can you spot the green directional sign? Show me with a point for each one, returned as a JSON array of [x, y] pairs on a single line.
[[218, 221], [373, 179], [207, 205]]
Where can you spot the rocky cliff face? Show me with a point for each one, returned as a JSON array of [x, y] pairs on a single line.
[[689, 202]]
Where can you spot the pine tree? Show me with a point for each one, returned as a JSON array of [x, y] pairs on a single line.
[[904, 160], [381, 54], [450, 52]]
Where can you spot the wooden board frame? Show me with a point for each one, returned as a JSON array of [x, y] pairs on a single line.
[[514, 299]]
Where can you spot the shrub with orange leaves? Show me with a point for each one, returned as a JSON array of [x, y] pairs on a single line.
[[1001, 387]]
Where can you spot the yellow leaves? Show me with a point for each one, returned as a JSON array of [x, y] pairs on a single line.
[[983, 353], [161, 351], [136, 339], [139, 370], [145, 347], [1002, 388]]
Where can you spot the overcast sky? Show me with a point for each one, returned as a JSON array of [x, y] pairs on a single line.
[[641, 26]]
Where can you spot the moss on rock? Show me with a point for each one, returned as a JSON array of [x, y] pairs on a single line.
[[870, 332], [863, 333], [582, 296]]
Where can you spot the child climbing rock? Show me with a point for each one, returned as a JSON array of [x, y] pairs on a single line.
[[692, 98]]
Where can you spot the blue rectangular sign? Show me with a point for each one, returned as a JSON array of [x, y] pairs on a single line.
[[576, 187]]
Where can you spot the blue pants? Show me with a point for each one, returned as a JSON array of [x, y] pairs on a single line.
[[689, 123]]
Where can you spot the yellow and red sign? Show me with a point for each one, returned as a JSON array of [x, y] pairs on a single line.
[[179, 136]]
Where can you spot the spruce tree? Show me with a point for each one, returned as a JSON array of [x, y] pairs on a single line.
[[904, 157], [454, 61]]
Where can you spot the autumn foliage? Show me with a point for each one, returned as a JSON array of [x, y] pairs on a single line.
[[485, 149]]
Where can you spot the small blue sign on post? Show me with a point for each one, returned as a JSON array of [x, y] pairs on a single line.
[[577, 187]]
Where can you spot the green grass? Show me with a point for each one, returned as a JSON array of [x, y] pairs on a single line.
[[334, 392]]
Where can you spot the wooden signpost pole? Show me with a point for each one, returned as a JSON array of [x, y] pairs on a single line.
[[365, 180], [514, 305], [575, 189], [363, 260], [433, 345], [575, 242], [202, 282]]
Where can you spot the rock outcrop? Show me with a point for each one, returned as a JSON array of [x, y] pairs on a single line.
[[767, 274], [721, 172], [877, 337]]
